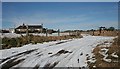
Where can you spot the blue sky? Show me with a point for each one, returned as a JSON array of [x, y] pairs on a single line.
[[0, 15], [60, 15], [59, 0]]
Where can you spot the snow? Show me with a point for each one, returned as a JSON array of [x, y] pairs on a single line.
[[84, 35], [14, 35], [107, 60], [104, 53], [94, 66], [65, 54], [113, 55], [9, 35]]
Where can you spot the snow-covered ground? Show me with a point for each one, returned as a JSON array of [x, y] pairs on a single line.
[[9, 35], [64, 53]]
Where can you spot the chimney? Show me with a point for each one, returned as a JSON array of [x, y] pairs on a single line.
[[23, 24]]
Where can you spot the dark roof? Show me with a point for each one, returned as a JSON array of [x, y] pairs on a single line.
[[30, 27], [21, 27], [34, 26]]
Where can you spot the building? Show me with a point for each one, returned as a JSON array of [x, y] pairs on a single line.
[[5, 31], [30, 28], [12, 30]]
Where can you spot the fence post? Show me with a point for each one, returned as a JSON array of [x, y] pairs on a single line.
[[58, 32], [46, 32], [42, 28], [27, 34]]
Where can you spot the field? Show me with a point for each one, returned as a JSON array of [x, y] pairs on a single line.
[[60, 35], [61, 53]]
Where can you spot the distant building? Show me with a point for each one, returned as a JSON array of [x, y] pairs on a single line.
[[12, 30], [50, 31], [31, 28], [5, 31]]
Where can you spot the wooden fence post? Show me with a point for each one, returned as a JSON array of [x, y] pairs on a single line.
[[46, 32], [58, 32], [27, 34]]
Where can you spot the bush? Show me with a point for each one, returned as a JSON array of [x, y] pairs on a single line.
[[9, 42], [13, 42]]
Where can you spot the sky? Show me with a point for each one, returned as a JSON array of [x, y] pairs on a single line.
[[60, 0], [60, 15], [0, 15]]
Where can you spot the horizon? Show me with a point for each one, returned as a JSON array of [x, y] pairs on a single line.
[[60, 15]]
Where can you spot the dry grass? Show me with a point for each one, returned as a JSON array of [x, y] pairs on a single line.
[[34, 39], [99, 58], [103, 33], [41, 39]]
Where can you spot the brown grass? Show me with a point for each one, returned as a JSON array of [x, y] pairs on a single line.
[[34, 39], [103, 33], [100, 63]]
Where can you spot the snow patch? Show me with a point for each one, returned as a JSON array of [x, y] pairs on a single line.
[[104, 53], [114, 55]]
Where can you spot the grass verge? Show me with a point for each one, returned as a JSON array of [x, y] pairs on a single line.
[[100, 62]]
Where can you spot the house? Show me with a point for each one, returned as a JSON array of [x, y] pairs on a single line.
[[30, 28], [4, 31]]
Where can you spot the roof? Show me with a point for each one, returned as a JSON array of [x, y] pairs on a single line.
[[34, 26], [30, 27], [21, 27]]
